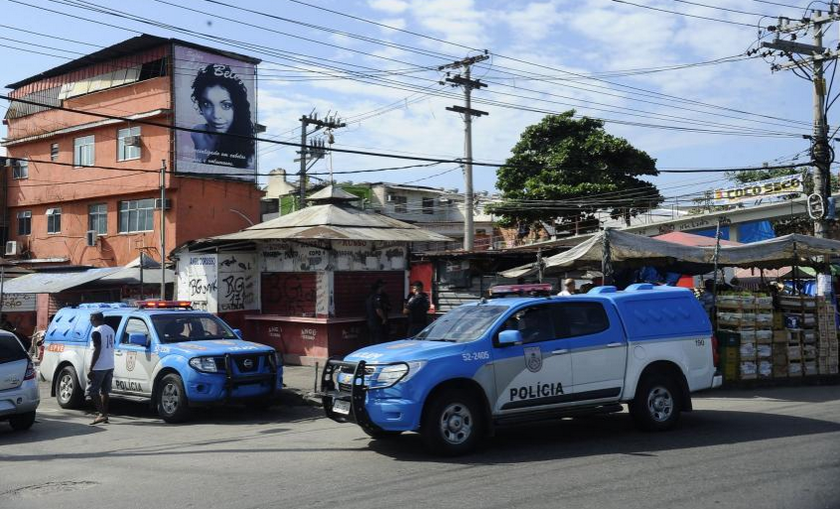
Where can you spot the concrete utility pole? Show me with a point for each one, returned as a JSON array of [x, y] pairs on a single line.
[[815, 55], [162, 231], [469, 113], [314, 152]]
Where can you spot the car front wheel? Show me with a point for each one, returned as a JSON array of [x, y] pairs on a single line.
[[172, 404], [452, 424]]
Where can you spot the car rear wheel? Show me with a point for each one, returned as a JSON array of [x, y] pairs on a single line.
[[172, 404], [657, 404], [22, 422], [68, 390], [452, 424]]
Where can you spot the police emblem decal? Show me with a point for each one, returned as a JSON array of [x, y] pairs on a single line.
[[533, 358], [130, 360]]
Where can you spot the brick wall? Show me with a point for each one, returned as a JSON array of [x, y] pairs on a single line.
[[288, 293]]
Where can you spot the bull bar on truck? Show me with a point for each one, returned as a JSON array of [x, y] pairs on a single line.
[[233, 381], [331, 390]]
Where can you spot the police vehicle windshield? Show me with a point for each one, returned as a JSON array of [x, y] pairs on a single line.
[[190, 327], [462, 324]]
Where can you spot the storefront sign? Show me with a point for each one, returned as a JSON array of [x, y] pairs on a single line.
[[18, 302], [294, 257], [791, 184]]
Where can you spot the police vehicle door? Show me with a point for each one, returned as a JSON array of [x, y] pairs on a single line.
[[598, 349], [133, 364], [536, 374]]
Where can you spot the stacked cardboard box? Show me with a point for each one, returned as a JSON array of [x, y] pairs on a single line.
[[800, 312], [827, 347], [750, 318]]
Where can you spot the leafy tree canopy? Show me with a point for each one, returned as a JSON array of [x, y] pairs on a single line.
[[572, 162]]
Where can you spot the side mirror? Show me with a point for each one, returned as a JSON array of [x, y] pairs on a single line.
[[510, 338], [138, 339], [238, 333]]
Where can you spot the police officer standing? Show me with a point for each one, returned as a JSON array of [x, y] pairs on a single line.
[[378, 306], [415, 308], [101, 366]]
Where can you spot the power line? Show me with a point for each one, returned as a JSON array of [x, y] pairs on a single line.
[[707, 18], [727, 9]]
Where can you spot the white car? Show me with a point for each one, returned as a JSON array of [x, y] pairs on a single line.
[[19, 397]]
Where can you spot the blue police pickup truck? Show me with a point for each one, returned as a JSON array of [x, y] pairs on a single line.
[[514, 360], [166, 353]]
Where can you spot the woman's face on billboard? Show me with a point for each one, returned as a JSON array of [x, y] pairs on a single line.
[[216, 108]]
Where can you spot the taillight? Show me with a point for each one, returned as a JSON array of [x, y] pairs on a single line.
[[715, 353], [30, 371]]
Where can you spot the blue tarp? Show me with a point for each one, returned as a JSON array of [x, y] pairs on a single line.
[[755, 232], [724, 232]]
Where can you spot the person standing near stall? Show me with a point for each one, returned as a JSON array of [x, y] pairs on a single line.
[[416, 308]]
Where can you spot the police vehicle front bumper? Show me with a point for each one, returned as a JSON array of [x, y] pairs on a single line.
[[352, 402], [233, 385]]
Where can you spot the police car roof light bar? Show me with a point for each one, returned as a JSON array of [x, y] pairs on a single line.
[[164, 304]]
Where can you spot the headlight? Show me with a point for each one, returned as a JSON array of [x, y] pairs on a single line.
[[388, 376], [204, 364]]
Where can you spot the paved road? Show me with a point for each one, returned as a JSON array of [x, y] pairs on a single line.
[[775, 448]]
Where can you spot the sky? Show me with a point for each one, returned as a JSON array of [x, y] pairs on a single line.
[[545, 56]]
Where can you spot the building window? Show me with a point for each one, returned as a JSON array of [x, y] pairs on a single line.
[[428, 205], [24, 219], [21, 169], [400, 204], [137, 215], [83, 151], [128, 144], [54, 152], [54, 220], [98, 218]]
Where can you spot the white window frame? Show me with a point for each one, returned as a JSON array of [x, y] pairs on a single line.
[[53, 219], [125, 152], [129, 206], [26, 215], [84, 151], [98, 217], [54, 151], [20, 170]]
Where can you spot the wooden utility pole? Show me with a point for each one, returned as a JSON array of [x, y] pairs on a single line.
[[466, 110]]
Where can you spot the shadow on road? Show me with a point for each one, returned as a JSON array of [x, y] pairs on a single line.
[[44, 429], [615, 434], [809, 394]]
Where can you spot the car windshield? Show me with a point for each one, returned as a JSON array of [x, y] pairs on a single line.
[[190, 327], [462, 324]]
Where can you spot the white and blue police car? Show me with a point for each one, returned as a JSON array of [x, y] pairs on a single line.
[[516, 360], [165, 353]]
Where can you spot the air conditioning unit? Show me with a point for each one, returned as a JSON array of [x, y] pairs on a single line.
[[90, 238], [131, 141], [11, 248], [168, 204]]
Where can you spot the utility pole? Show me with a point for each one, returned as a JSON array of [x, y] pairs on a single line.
[[162, 231], [314, 153], [813, 56], [468, 84]]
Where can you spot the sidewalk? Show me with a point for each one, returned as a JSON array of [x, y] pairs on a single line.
[[299, 382]]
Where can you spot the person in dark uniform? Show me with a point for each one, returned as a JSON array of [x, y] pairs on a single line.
[[377, 306], [415, 308]]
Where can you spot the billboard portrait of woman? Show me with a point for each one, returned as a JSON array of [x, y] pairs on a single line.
[[226, 137]]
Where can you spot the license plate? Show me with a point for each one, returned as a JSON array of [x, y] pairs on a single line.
[[341, 407]]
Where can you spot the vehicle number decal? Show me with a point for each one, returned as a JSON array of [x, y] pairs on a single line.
[[475, 356], [700, 342], [55, 348], [369, 355]]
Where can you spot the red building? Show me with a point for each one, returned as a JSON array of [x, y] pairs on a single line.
[[86, 190]]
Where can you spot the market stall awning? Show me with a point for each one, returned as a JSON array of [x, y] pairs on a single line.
[[778, 252], [55, 281], [334, 221], [690, 239], [625, 248]]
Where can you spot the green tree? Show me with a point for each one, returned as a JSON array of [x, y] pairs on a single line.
[[565, 164]]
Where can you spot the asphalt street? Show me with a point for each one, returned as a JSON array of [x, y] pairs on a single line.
[[767, 448]]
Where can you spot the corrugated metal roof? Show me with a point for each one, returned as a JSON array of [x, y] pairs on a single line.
[[335, 222], [54, 282], [333, 193]]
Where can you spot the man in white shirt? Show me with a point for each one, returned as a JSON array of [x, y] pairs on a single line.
[[102, 366], [568, 288]]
